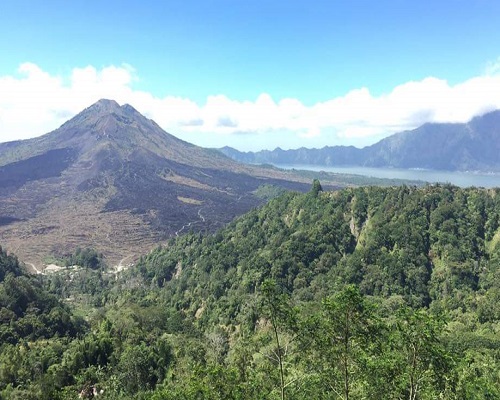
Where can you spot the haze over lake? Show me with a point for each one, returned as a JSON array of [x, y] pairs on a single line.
[[462, 179]]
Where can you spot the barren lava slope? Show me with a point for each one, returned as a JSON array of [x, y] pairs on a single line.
[[112, 179]]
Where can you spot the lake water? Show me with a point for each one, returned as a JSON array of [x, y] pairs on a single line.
[[462, 179]]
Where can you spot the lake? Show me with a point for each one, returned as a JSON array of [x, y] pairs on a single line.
[[462, 179]]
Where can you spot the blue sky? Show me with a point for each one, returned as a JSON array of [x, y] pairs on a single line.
[[251, 74]]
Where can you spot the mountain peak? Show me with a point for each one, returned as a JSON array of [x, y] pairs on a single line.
[[104, 112], [122, 184], [104, 105]]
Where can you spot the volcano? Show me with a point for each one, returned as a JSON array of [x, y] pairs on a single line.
[[113, 180]]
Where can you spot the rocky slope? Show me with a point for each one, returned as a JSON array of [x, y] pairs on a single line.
[[112, 179]]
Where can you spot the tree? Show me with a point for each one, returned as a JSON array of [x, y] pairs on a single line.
[[143, 366], [342, 338], [422, 360], [277, 310], [316, 188]]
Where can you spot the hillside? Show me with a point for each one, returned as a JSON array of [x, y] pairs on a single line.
[[418, 258], [364, 292], [404, 241], [113, 180], [27, 310], [474, 146]]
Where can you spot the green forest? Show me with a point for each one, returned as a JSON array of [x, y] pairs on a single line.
[[361, 293]]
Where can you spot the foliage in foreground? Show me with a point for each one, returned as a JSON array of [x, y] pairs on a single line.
[[369, 292]]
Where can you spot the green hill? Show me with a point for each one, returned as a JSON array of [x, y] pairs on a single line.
[[402, 241], [388, 293]]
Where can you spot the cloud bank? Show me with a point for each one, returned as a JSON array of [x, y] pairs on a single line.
[[34, 102]]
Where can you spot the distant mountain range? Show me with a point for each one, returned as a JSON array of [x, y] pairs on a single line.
[[473, 146], [113, 180]]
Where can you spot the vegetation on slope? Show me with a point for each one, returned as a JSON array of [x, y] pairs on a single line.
[[369, 292]]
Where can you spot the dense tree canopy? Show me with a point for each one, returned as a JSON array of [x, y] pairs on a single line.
[[374, 292]]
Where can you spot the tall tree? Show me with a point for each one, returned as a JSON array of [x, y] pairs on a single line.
[[421, 358], [342, 338], [277, 310]]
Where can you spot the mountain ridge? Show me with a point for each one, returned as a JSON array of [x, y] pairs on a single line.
[[474, 145]]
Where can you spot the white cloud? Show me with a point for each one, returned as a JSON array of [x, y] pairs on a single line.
[[33, 102], [311, 133]]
